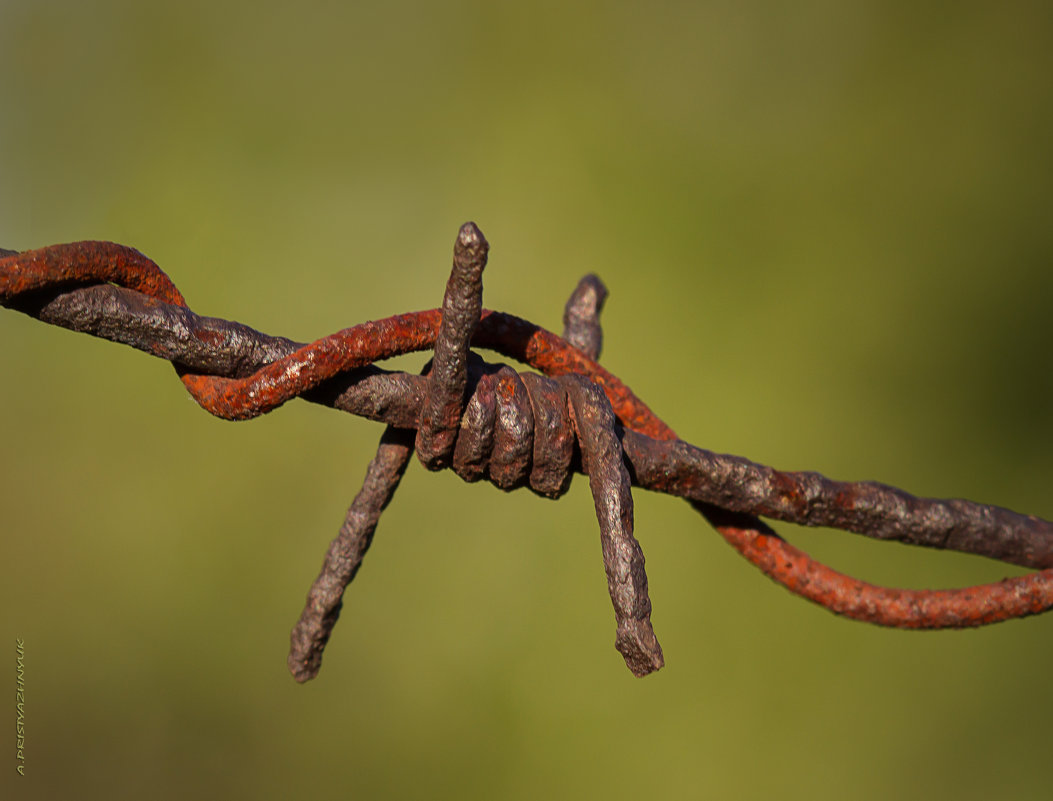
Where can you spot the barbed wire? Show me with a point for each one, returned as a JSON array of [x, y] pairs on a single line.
[[489, 422]]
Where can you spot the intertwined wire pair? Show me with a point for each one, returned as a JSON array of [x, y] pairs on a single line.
[[489, 422]]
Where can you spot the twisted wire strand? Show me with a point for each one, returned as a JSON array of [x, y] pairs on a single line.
[[215, 346], [258, 373]]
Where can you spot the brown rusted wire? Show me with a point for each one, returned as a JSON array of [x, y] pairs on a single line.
[[488, 421]]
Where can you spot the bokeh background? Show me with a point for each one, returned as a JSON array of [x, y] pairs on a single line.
[[826, 231]]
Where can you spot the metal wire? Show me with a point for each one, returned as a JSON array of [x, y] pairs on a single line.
[[490, 422]]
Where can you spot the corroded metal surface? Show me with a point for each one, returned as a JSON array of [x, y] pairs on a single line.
[[345, 554], [440, 415], [489, 422]]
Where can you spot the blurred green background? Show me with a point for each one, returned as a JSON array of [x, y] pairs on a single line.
[[826, 231]]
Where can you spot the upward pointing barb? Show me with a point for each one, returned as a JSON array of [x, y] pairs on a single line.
[[581, 316], [462, 304]]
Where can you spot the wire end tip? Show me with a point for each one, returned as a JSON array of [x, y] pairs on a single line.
[[471, 237]]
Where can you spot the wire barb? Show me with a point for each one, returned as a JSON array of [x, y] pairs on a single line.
[[325, 599], [622, 555], [463, 303], [499, 443], [581, 316]]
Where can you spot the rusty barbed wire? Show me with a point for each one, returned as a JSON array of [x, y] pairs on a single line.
[[515, 429]]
